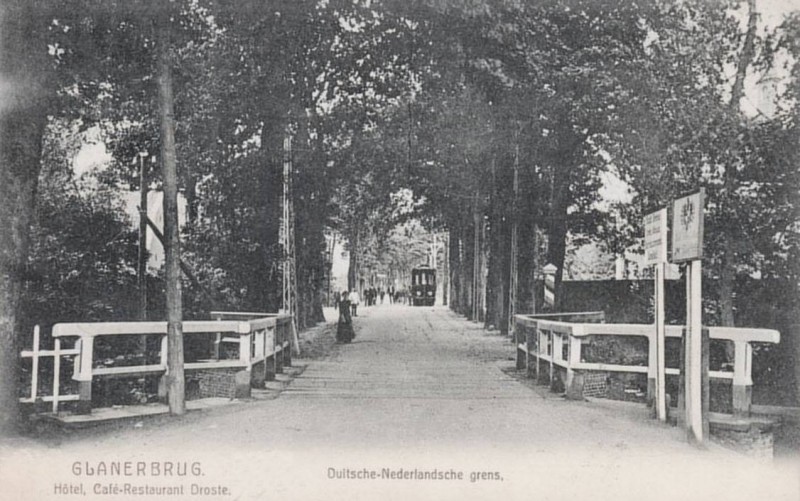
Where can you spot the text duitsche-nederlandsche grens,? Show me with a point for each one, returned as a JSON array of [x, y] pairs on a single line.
[[410, 474]]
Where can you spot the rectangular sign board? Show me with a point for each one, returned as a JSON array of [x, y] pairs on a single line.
[[655, 238], [687, 227]]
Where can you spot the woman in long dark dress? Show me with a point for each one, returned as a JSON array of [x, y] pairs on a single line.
[[344, 331]]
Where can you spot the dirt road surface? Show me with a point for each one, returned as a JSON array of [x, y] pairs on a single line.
[[422, 405]]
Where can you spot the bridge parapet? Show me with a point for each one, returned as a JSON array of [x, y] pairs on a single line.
[[261, 344], [546, 346]]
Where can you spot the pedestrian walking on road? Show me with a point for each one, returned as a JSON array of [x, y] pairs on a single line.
[[344, 330], [354, 300]]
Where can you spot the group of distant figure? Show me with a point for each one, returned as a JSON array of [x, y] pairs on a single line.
[[346, 302], [371, 296]]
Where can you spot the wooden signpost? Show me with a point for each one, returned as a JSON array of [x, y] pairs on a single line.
[[655, 250], [687, 247]]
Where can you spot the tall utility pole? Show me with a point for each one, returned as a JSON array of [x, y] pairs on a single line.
[[479, 285], [289, 281], [435, 255], [446, 272], [433, 252], [141, 279], [512, 286], [175, 381], [329, 264], [476, 260]]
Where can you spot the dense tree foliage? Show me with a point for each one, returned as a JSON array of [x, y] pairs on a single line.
[[498, 122]]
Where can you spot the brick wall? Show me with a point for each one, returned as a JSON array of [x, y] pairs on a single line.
[[213, 382], [595, 384]]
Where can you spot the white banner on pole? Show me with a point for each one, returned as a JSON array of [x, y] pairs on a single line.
[[655, 238], [687, 227]]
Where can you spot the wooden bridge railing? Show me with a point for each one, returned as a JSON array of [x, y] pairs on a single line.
[[263, 343], [544, 345]]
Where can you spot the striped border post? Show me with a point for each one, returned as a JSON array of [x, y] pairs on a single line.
[[550, 286]]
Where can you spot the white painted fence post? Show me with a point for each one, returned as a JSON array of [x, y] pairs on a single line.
[[269, 352], [742, 377], [280, 337], [244, 348], [84, 375], [531, 358], [162, 383], [292, 341], [574, 387], [551, 348], [260, 335], [541, 349], [652, 366]]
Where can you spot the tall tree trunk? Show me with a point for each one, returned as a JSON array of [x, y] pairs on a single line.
[[322, 190], [478, 287], [23, 117], [175, 375], [454, 267], [557, 232], [511, 239], [494, 284], [728, 262], [467, 268], [526, 266], [528, 258], [446, 274], [353, 271]]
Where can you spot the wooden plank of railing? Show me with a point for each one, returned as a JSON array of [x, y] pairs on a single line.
[[599, 366], [55, 399], [158, 368], [748, 334], [94, 329], [214, 364], [263, 323], [240, 315], [49, 353], [559, 327], [129, 370], [571, 317]]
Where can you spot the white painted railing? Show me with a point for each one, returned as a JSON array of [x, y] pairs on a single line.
[[560, 344], [262, 343], [37, 353]]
